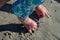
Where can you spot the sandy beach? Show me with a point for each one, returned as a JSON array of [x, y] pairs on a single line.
[[49, 28]]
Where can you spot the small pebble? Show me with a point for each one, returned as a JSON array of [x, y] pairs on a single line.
[[2, 39], [27, 38], [9, 33], [51, 1], [5, 34], [55, 10], [10, 37]]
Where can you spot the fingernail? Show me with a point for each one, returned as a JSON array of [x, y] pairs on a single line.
[[30, 31]]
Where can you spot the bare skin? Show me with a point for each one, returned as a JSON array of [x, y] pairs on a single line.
[[41, 10], [31, 24], [28, 22], [3, 2]]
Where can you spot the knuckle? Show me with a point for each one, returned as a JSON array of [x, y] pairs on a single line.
[[35, 24]]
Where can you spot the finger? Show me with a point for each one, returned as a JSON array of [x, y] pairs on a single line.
[[29, 30], [33, 29], [46, 13], [32, 24], [35, 25], [28, 27]]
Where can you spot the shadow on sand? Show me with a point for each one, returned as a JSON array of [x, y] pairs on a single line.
[[57, 1], [13, 28], [6, 8]]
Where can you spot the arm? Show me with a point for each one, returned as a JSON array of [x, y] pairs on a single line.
[[41, 11], [3, 2]]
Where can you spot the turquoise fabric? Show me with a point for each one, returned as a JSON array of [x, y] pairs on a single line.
[[23, 8]]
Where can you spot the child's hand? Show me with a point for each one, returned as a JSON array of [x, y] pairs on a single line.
[[41, 11], [30, 24]]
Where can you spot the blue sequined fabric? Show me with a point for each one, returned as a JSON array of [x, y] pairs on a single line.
[[23, 8]]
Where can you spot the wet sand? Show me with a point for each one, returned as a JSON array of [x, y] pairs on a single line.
[[49, 28]]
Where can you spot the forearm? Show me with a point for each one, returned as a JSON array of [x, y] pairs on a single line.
[[24, 21], [3, 2]]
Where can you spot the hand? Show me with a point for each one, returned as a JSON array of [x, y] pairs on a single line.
[[41, 11], [30, 24]]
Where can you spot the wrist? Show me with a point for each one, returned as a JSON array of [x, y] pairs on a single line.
[[25, 20]]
